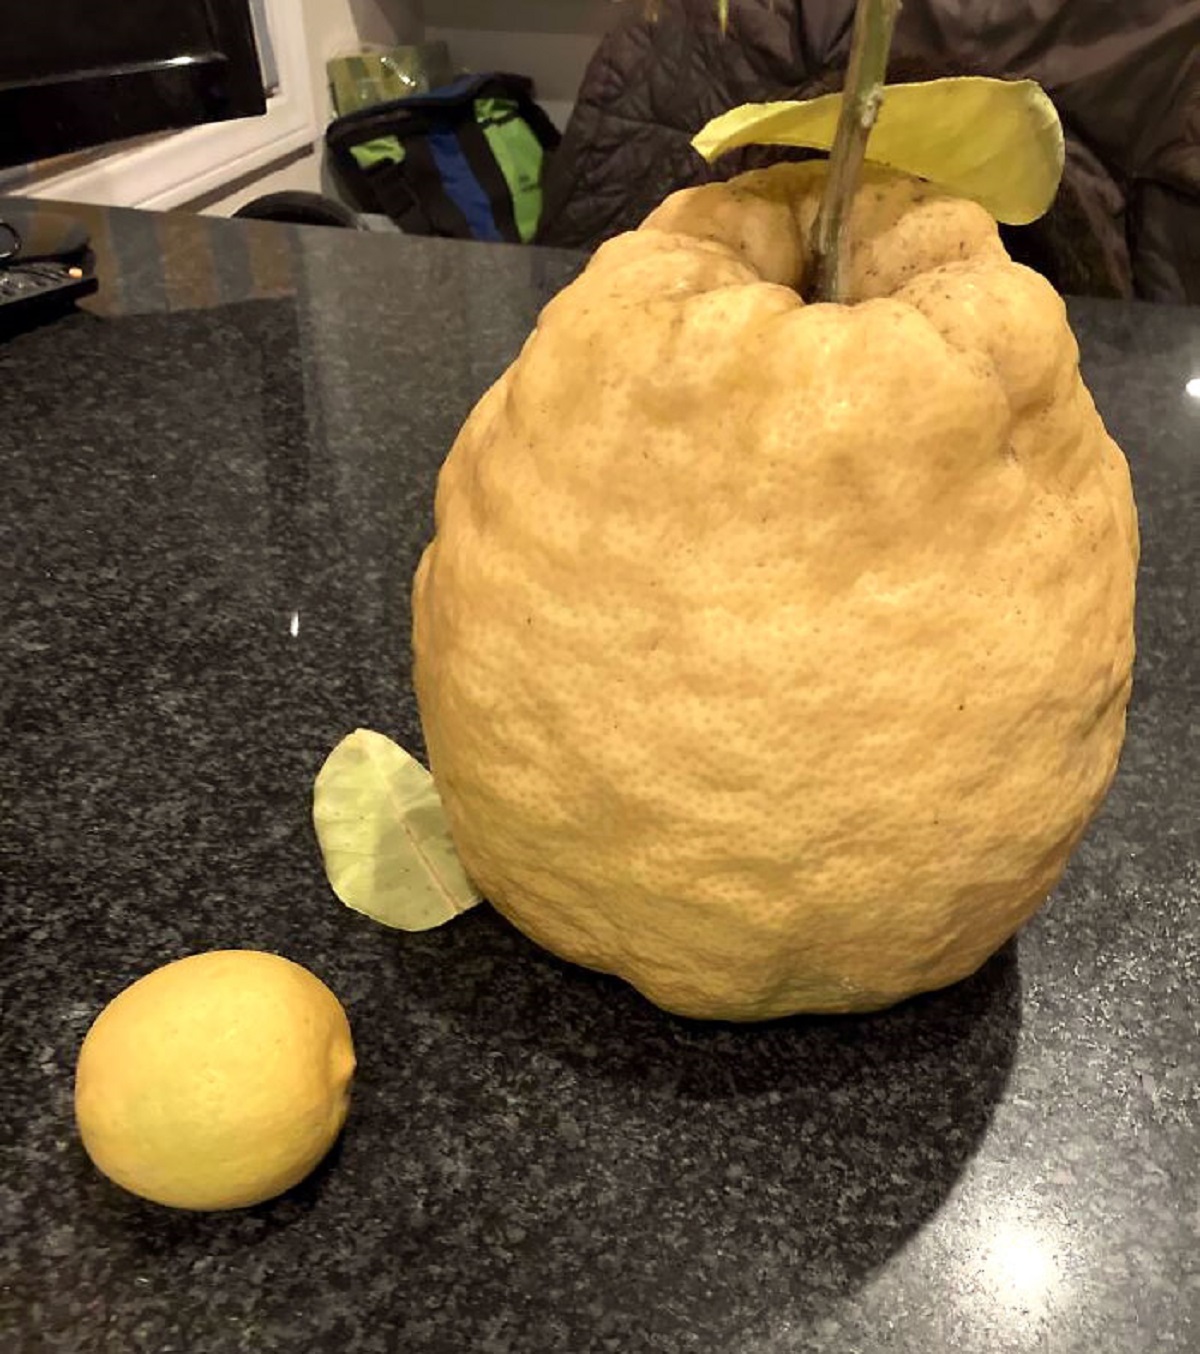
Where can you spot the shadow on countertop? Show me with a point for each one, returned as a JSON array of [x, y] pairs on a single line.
[[700, 1170], [539, 1158]]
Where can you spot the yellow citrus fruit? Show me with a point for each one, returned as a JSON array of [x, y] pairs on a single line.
[[216, 1081], [775, 656]]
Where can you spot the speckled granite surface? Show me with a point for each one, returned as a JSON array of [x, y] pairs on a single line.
[[216, 486]]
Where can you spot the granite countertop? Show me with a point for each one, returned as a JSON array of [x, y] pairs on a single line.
[[218, 477]]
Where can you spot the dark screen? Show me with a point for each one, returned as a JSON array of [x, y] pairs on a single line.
[[77, 73], [58, 37]]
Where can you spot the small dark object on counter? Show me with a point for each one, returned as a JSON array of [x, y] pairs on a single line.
[[45, 264]]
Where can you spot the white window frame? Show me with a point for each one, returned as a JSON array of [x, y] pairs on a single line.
[[177, 167]]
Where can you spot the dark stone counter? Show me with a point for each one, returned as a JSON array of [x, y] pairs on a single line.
[[218, 478]]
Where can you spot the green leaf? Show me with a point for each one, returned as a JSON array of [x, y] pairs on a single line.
[[997, 141], [384, 837]]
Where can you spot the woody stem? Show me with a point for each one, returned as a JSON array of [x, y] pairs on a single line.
[[870, 43]]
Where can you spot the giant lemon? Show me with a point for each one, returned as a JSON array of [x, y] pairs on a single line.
[[775, 656], [215, 1082]]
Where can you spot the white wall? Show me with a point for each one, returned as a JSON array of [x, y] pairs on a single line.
[[550, 40], [301, 175]]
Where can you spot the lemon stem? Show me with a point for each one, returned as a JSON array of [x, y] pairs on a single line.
[[870, 43]]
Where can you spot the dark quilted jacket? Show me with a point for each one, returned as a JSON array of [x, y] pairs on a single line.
[[1125, 78]]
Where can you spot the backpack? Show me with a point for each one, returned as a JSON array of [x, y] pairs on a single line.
[[463, 161]]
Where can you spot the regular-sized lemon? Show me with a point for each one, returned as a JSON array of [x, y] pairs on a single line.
[[214, 1082]]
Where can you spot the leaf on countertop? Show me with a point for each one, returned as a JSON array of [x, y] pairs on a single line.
[[384, 837], [999, 142]]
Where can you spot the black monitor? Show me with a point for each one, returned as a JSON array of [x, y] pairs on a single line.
[[77, 73]]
